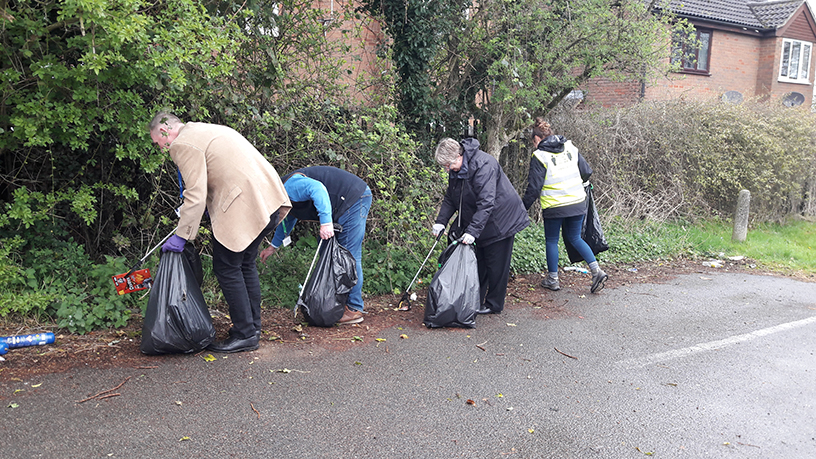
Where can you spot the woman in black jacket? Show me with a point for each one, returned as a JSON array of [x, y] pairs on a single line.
[[557, 173], [490, 214]]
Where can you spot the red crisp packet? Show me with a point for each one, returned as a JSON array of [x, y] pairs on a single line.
[[138, 280]]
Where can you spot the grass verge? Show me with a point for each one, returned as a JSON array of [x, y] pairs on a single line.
[[785, 248], [782, 247]]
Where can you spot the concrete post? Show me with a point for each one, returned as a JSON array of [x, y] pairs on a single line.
[[741, 217]]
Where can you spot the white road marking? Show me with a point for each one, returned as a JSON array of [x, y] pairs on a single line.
[[711, 345]]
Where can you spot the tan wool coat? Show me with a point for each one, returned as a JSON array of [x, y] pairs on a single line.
[[226, 175]]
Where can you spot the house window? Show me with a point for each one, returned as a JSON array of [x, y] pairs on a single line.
[[795, 63], [692, 52]]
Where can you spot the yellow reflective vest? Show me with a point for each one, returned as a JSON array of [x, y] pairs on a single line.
[[562, 184]]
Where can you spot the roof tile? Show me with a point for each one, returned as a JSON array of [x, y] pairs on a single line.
[[761, 15]]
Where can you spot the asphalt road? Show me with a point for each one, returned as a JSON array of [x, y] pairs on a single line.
[[706, 365]]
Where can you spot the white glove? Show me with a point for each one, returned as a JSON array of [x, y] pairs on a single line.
[[467, 239], [438, 228]]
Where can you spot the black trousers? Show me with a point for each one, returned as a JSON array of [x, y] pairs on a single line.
[[237, 276], [494, 271]]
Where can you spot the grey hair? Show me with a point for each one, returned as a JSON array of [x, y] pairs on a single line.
[[448, 151], [163, 117]]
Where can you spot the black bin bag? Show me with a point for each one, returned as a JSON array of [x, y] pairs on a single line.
[[192, 256], [591, 231], [177, 319], [326, 292], [453, 295]]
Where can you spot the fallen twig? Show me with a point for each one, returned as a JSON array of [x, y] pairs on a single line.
[[256, 411], [147, 367], [108, 396], [748, 444], [104, 392], [567, 355]]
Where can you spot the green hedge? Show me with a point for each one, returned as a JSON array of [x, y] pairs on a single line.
[[681, 158]]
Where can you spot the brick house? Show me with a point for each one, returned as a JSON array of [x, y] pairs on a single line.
[[364, 38], [744, 49]]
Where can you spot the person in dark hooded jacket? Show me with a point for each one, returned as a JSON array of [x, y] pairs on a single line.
[[557, 174], [490, 213]]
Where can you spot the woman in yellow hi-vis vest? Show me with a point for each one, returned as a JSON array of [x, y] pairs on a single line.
[[557, 174]]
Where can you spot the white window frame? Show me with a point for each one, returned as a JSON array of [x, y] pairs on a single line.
[[797, 53]]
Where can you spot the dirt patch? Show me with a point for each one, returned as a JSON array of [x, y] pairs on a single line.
[[120, 347]]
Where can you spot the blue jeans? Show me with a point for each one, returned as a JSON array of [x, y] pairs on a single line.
[[572, 233], [354, 223]]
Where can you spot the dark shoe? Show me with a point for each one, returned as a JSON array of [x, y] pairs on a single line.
[[350, 316], [551, 283], [485, 311], [233, 344], [258, 334], [598, 281]]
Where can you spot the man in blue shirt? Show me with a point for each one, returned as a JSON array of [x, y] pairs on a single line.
[[329, 195]]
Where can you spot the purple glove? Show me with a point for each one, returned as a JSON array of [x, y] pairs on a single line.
[[174, 244]]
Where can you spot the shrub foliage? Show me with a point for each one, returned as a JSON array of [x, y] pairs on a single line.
[[82, 188], [690, 159]]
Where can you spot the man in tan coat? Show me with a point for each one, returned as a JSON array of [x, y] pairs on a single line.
[[245, 198]]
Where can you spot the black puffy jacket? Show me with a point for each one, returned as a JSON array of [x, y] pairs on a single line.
[[491, 207]]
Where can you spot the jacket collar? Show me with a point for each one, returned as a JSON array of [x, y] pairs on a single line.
[[470, 146], [553, 144]]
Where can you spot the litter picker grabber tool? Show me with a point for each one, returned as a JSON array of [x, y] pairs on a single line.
[[405, 301], [303, 287], [135, 280], [139, 263]]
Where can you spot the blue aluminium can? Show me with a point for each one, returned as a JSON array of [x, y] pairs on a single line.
[[36, 339], [3, 348]]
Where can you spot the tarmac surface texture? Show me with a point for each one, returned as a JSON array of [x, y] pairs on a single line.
[[705, 365]]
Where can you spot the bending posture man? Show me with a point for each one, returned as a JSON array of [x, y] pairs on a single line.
[[245, 198], [330, 195]]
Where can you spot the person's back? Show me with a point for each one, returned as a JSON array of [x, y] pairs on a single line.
[[242, 187], [343, 188]]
